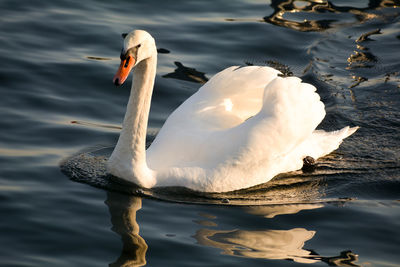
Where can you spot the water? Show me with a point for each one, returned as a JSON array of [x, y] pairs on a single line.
[[57, 62]]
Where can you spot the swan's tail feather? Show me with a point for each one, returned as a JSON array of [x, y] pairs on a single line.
[[322, 143], [343, 133], [349, 131]]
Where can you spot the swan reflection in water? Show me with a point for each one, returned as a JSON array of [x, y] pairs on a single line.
[[123, 210], [272, 244], [265, 244]]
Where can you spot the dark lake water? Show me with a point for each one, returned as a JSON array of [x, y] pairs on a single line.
[[57, 100]]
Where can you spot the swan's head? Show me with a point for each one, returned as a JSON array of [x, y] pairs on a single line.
[[138, 45]]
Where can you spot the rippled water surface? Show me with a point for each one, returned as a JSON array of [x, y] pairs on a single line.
[[57, 102]]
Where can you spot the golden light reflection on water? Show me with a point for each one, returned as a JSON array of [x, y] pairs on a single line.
[[266, 244], [263, 244], [274, 210], [33, 152], [10, 188]]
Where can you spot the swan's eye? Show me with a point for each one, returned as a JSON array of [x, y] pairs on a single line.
[[139, 45], [127, 62]]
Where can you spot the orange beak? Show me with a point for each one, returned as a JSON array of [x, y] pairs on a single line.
[[123, 71]]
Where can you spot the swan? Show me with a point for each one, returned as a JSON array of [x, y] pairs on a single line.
[[240, 129]]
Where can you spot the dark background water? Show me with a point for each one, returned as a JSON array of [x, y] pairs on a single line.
[[57, 62]]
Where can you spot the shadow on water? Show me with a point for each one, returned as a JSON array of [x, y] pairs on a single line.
[[261, 244], [187, 74]]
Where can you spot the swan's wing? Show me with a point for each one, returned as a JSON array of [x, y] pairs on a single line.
[[247, 154], [290, 113], [261, 147], [225, 101]]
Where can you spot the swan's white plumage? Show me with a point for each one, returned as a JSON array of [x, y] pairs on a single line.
[[242, 128]]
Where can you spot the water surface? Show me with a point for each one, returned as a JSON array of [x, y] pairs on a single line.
[[57, 62]]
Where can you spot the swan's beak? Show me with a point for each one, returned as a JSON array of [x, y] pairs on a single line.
[[123, 71]]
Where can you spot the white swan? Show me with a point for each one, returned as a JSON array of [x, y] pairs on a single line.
[[242, 128]]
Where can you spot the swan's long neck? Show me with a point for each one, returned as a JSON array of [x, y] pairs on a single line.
[[128, 159]]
